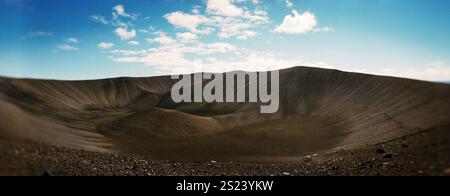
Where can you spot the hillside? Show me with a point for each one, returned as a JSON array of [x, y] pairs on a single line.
[[321, 111]]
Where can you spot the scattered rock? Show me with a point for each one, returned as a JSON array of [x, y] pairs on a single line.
[[380, 151], [366, 162], [307, 158], [315, 155], [286, 174]]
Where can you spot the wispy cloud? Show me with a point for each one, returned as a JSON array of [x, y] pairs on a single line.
[[119, 10], [119, 20], [33, 34], [105, 45], [99, 19], [134, 43], [289, 3], [324, 29], [72, 40], [65, 47]]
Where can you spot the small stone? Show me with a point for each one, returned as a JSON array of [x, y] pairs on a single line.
[[213, 162], [315, 155], [380, 151], [286, 174], [307, 158]]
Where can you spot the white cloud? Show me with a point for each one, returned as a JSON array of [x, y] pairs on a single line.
[[231, 20], [297, 23], [218, 47], [187, 37], [118, 14], [72, 40], [231, 27], [124, 34], [163, 39], [188, 21], [174, 55], [289, 4], [118, 23], [257, 16], [197, 49], [99, 19], [119, 10], [223, 8], [66, 47], [246, 35], [435, 71], [161, 60], [167, 61], [105, 45], [240, 27], [129, 52], [196, 9], [134, 43], [147, 30], [127, 59]]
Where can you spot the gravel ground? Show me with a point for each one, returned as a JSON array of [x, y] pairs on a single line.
[[425, 153]]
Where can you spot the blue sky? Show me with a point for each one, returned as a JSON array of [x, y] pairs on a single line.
[[85, 39]]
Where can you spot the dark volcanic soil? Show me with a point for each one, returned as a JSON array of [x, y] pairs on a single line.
[[424, 153]]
